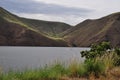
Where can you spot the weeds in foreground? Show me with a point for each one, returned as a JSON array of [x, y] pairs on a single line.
[[58, 71], [55, 72], [100, 64]]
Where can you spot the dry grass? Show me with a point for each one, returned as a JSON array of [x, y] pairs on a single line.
[[53, 73]]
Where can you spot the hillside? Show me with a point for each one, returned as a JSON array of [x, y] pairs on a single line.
[[46, 27], [52, 29], [95, 31], [18, 31], [13, 32]]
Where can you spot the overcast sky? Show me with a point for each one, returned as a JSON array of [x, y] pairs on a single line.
[[68, 11]]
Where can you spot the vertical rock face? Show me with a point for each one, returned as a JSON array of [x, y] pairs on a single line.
[[95, 31]]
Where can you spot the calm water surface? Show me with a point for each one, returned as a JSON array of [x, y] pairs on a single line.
[[17, 58]]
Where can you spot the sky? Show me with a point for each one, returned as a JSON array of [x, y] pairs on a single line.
[[68, 11]]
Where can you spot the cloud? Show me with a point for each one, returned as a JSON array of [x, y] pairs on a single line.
[[33, 7]]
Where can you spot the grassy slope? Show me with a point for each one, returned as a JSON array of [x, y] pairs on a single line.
[[45, 27], [95, 31], [50, 28], [12, 34], [12, 18], [12, 22]]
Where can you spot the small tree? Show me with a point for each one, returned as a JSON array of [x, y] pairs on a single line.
[[96, 50], [92, 63]]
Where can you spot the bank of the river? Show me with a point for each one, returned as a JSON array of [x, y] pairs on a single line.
[[101, 63], [58, 71]]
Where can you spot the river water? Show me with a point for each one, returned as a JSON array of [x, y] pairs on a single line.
[[18, 58]]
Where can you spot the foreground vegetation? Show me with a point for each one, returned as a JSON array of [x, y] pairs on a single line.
[[101, 63]]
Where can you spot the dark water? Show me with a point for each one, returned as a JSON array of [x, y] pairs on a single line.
[[17, 58]]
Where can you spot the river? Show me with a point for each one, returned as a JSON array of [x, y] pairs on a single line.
[[18, 58]]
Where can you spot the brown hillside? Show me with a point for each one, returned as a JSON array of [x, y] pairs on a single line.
[[95, 31], [48, 28], [16, 31], [12, 34]]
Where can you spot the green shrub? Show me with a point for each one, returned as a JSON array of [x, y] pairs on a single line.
[[76, 69], [97, 68], [82, 71], [117, 59], [100, 58], [96, 50]]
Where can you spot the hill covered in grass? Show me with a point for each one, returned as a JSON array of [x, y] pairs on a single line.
[[95, 31], [46, 27], [16, 31]]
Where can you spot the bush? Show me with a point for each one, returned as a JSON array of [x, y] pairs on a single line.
[[82, 71], [97, 68], [76, 69], [96, 50], [100, 58], [117, 59]]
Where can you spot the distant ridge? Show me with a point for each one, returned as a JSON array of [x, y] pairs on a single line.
[[95, 31]]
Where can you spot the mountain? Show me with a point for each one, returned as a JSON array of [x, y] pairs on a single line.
[[17, 31], [49, 28], [95, 31], [53, 29]]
